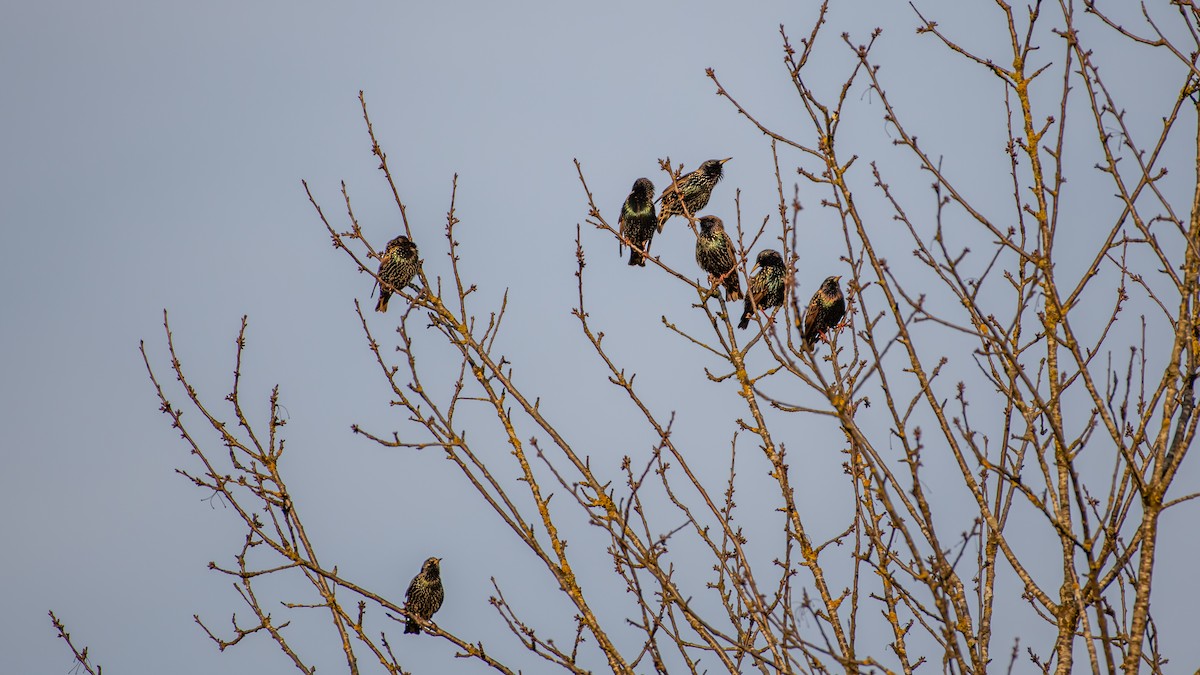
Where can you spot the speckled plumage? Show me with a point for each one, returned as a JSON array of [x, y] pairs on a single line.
[[695, 188], [715, 254], [767, 286], [637, 220], [398, 267], [425, 594], [825, 310]]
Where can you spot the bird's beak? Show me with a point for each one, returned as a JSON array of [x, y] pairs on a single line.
[[837, 278], [753, 270], [726, 160]]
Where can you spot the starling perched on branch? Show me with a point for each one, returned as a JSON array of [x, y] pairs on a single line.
[[766, 287], [425, 594], [825, 311], [695, 188], [398, 267], [715, 255], [637, 219]]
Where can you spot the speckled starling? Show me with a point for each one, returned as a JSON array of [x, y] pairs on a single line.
[[637, 219], [825, 310], [398, 267], [767, 286], [695, 189], [425, 594], [715, 254]]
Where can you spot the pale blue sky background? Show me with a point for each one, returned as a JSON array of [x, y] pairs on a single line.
[[152, 155]]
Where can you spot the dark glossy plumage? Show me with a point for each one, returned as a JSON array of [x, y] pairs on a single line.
[[637, 218], [715, 254], [825, 310], [695, 188], [425, 594], [767, 286], [398, 267]]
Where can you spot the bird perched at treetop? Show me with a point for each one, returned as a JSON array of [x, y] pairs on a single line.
[[637, 219], [691, 191], [825, 311], [425, 594], [767, 286], [398, 267], [715, 254]]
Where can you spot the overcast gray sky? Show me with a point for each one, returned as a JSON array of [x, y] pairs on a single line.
[[152, 154]]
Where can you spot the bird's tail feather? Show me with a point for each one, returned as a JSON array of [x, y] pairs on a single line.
[[747, 312]]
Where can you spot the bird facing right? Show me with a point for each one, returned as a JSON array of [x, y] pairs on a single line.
[[825, 310], [425, 594], [715, 254], [398, 267], [637, 219], [691, 191], [767, 286]]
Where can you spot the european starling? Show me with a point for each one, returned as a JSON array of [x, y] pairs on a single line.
[[425, 594], [825, 310], [715, 255], [766, 287], [637, 219], [695, 188], [398, 267]]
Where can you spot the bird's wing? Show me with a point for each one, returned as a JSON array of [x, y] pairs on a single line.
[[730, 250], [732, 282], [671, 187], [810, 316], [666, 190], [764, 286]]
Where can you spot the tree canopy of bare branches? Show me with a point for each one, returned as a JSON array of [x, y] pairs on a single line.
[[1013, 390]]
